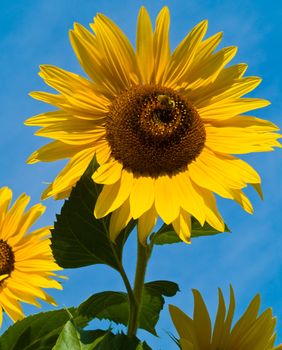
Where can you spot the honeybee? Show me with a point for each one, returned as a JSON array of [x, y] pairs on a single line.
[[166, 100]]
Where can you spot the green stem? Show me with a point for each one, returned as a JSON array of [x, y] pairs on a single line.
[[122, 272], [130, 293], [126, 282], [143, 254]]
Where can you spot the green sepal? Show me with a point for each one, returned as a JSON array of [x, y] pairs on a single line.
[[78, 238], [167, 235], [174, 339], [40, 331], [114, 306]]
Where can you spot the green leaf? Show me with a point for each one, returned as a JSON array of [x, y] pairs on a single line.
[[78, 238], [121, 342], [167, 235], [106, 305], [40, 331], [166, 288], [153, 302], [73, 338], [114, 306]]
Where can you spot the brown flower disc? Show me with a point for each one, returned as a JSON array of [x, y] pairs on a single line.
[[153, 131]]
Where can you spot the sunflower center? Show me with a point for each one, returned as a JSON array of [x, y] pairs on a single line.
[[7, 259], [153, 131]]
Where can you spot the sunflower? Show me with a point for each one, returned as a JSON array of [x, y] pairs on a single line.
[[163, 125], [251, 332], [26, 261]]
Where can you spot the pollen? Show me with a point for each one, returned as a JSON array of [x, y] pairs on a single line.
[[153, 131]]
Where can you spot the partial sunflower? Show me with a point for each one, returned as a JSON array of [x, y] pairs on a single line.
[[251, 332], [162, 125], [26, 261]]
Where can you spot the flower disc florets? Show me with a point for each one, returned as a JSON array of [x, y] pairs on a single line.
[[153, 130], [6, 259]]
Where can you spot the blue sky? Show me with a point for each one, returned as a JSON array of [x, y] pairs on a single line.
[[36, 32]]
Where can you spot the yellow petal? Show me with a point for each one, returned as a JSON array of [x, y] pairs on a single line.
[[113, 196], [212, 215], [11, 306], [114, 47], [47, 118], [123, 47], [258, 334], [142, 196], [231, 108], [233, 72], [184, 324], [40, 281], [242, 326], [89, 57], [161, 43], [54, 151], [63, 195], [240, 140], [76, 105], [202, 321], [108, 173], [189, 198], [144, 45], [219, 322], [27, 220], [243, 200], [209, 70], [5, 199], [146, 223], [14, 215], [26, 298], [78, 91], [2, 277], [203, 54], [205, 49], [39, 248], [119, 219], [239, 88], [103, 151], [71, 173], [211, 179], [78, 132], [183, 55], [182, 226], [230, 170], [220, 78], [251, 123], [55, 100], [186, 345], [166, 199], [223, 175], [38, 264], [258, 189], [225, 335]]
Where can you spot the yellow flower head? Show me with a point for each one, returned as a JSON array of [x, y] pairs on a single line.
[[251, 332], [162, 124], [26, 261]]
